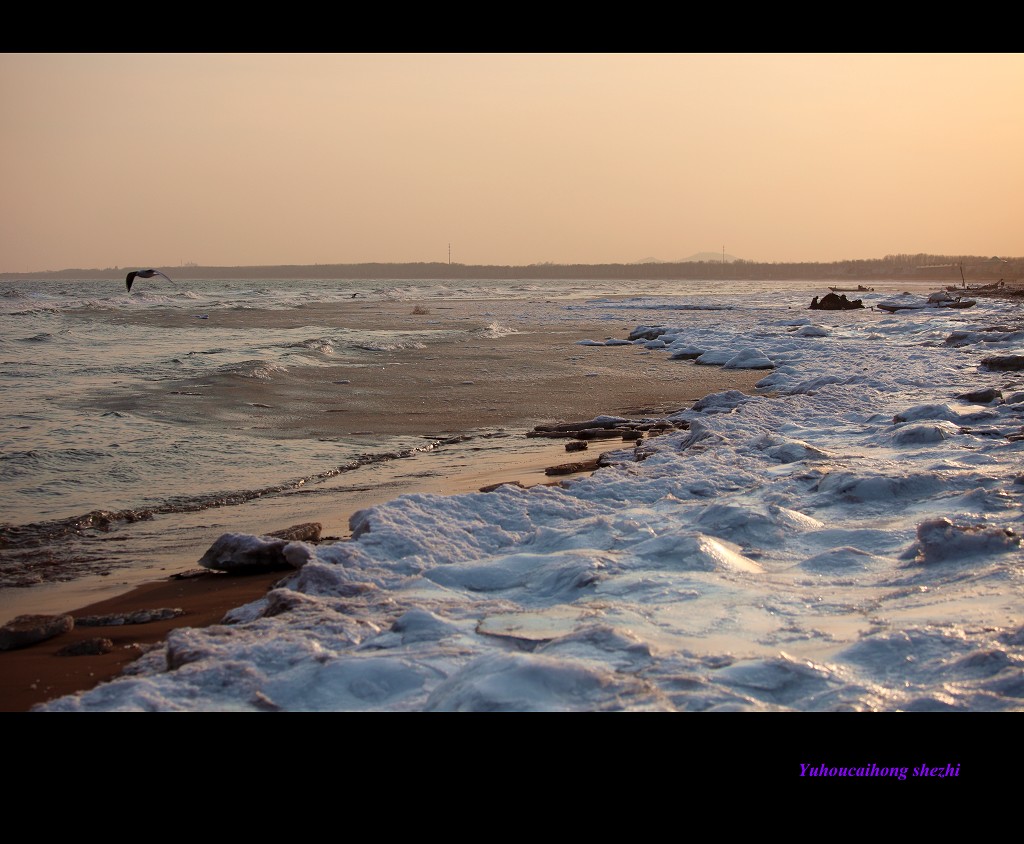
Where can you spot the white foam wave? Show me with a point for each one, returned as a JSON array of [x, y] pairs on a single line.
[[495, 330], [260, 369], [385, 346]]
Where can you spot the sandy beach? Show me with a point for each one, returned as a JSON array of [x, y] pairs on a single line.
[[496, 395], [511, 375]]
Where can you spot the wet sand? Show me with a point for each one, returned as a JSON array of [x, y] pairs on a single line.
[[480, 381], [496, 388]]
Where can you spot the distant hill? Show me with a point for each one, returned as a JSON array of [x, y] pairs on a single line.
[[704, 265], [697, 257], [717, 257]]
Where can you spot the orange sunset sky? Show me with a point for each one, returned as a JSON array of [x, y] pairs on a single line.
[[512, 158]]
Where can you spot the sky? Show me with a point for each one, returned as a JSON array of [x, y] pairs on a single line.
[[132, 160]]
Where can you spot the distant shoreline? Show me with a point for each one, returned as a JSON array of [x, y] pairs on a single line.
[[937, 268]]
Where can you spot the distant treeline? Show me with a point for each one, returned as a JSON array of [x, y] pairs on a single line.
[[944, 268]]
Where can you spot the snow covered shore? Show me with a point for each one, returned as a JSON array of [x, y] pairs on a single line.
[[849, 539]]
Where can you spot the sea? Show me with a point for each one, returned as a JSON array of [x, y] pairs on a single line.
[[845, 538], [103, 491]]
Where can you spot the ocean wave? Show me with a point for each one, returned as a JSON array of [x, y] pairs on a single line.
[[654, 305], [261, 369], [494, 330], [95, 522], [220, 350], [383, 346], [36, 458], [324, 345]]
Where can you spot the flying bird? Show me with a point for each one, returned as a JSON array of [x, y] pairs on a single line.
[[142, 274]]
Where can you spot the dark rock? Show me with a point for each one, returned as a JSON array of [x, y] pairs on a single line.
[[576, 445], [28, 630], [87, 647], [724, 402], [240, 552], [959, 338], [983, 396], [940, 539], [603, 427], [630, 436], [832, 302], [598, 434], [645, 332], [616, 458], [596, 422], [572, 468], [137, 617], [1004, 363]]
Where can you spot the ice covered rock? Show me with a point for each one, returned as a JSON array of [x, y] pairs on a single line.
[[28, 630], [750, 359], [941, 539], [245, 552]]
